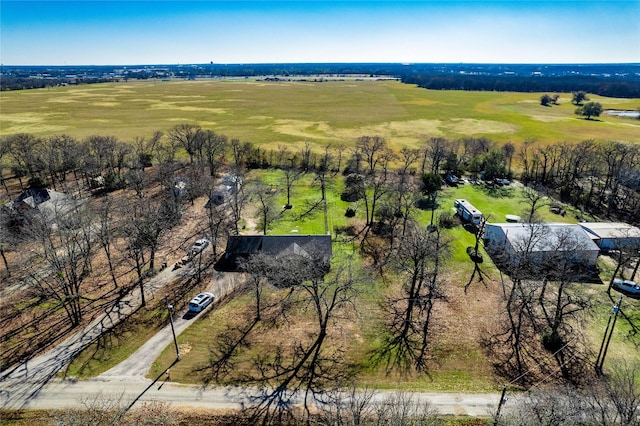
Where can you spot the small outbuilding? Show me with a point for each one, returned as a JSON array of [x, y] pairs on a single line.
[[241, 247], [613, 235], [541, 244]]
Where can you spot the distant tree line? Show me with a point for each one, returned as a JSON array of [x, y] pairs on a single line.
[[564, 84], [597, 176], [612, 80], [21, 83]]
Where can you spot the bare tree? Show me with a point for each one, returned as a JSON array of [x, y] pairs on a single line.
[[401, 408], [99, 410], [599, 401], [106, 410], [509, 149], [291, 175], [266, 203], [146, 222], [298, 365], [535, 198], [544, 307], [623, 389], [549, 407], [434, 154], [311, 364], [376, 182], [67, 251], [105, 233], [517, 329], [9, 236], [305, 156], [61, 155], [219, 223], [214, 147], [190, 137], [346, 407], [418, 263], [26, 152], [371, 148], [144, 150]]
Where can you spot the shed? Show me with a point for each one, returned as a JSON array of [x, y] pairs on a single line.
[[613, 235], [241, 247], [540, 243]]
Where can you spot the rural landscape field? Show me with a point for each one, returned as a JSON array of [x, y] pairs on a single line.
[[322, 113], [293, 150]]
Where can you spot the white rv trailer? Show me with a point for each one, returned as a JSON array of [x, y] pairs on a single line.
[[467, 211]]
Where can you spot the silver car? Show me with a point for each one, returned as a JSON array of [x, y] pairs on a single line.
[[200, 302]]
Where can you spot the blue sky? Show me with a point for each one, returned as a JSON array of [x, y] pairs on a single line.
[[171, 32]]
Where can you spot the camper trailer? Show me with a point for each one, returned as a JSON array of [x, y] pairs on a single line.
[[467, 211]]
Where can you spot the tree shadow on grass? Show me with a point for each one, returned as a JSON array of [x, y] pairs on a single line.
[[497, 191]]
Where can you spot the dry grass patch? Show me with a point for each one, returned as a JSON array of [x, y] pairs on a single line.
[[471, 126], [304, 129]]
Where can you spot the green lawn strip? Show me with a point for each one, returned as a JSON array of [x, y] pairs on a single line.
[[624, 343], [117, 344]]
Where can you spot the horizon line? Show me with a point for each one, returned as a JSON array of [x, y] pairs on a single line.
[[321, 63]]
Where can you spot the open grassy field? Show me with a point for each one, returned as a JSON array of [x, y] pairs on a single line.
[[322, 113]]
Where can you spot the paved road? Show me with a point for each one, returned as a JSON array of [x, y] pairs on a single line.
[[59, 394]]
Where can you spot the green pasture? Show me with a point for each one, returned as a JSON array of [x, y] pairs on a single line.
[[292, 113]]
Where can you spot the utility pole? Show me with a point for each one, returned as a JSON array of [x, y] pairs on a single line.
[[600, 360], [500, 404], [173, 330]]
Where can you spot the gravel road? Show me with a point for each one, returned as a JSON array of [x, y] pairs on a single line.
[[58, 394]]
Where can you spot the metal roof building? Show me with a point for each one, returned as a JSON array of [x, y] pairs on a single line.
[[612, 235], [538, 243]]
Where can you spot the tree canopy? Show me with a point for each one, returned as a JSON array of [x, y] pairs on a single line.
[[590, 109]]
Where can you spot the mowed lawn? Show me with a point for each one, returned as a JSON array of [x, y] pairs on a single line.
[[292, 113]]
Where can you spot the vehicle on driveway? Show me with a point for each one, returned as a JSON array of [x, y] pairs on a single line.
[[201, 301], [626, 286], [199, 245], [194, 250]]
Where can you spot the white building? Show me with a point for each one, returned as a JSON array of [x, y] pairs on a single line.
[[540, 243], [613, 235]]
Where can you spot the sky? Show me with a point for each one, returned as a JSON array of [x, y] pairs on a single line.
[[236, 32]]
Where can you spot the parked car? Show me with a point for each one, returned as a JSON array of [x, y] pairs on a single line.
[[200, 302], [626, 286], [199, 245], [453, 180]]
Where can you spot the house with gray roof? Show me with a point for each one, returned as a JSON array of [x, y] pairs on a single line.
[[41, 203], [240, 248]]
